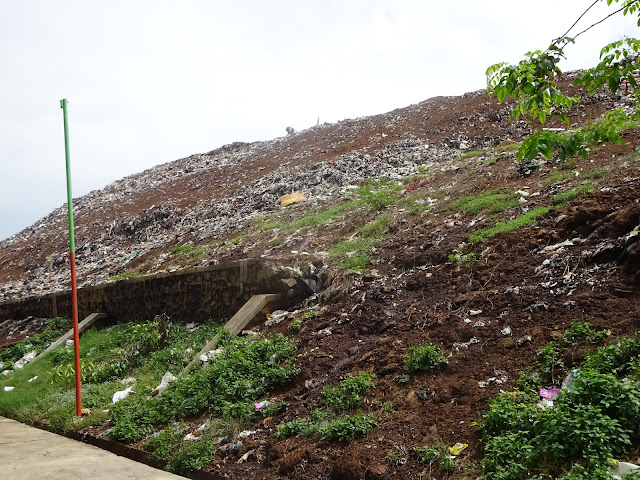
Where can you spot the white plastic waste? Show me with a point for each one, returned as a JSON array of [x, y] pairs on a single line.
[[121, 395], [26, 358], [8, 389], [205, 357], [32, 379], [618, 469], [167, 378]]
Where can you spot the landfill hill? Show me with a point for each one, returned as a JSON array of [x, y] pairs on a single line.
[[491, 305]]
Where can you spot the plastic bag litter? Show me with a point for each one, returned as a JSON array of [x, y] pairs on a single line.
[[550, 393], [26, 358], [8, 389], [622, 468], [121, 395], [32, 379], [458, 448], [261, 405], [205, 357], [167, 378]]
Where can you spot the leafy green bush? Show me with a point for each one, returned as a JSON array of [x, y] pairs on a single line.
[[582, 331], [246, 370], [425, 358], [349, 394], [347, 427], [191, 456], [592, 420]]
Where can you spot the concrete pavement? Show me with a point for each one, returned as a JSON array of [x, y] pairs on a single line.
[[28, 453]]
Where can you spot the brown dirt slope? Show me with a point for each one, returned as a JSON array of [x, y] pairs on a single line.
[[578, 262]]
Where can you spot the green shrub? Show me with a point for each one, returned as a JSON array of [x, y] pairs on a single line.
[[582, 331], [592, 420], [349, 394], [247, 370], [347, 427], [425, 358]]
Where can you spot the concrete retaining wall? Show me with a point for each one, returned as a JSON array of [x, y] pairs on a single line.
[[195, 294]]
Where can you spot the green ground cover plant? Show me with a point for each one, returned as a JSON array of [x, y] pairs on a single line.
[[356, 252], [425, 358], [177, 250], [556, 176], [493, 201], [340, 400], [593, 419], [561, 199], [124, 275], [528, 218]]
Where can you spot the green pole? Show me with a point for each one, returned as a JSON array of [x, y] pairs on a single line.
[[72, 261]]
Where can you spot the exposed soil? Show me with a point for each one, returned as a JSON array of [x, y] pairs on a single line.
[[411, 293]]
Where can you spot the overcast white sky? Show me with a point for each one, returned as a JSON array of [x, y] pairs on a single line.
[[153, 81]]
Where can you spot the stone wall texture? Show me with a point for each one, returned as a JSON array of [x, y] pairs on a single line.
[[195, 294]]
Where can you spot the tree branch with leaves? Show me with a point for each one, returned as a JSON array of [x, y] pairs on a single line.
[[532, 84]]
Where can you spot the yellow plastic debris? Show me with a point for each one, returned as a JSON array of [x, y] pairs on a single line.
[[458, 448], [292, 199]]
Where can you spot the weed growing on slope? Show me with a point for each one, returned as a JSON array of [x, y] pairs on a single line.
[[460, 258], [379, 194], [429, 455], [596, 173], [556, 177], [582, 332], [528, 218], [425, 358], [349, 394], [347, 427]]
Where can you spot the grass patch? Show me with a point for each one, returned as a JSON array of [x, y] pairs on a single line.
[[124, 275], [596, 173], [356, 252], [320, 218], [379, 194], [556, 177], [492, 200], [177, 250], [238, 239], [425, 358], [563, 198], [528, 218], [470, 154]]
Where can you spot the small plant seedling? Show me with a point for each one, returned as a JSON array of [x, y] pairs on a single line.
[[460, 258]]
